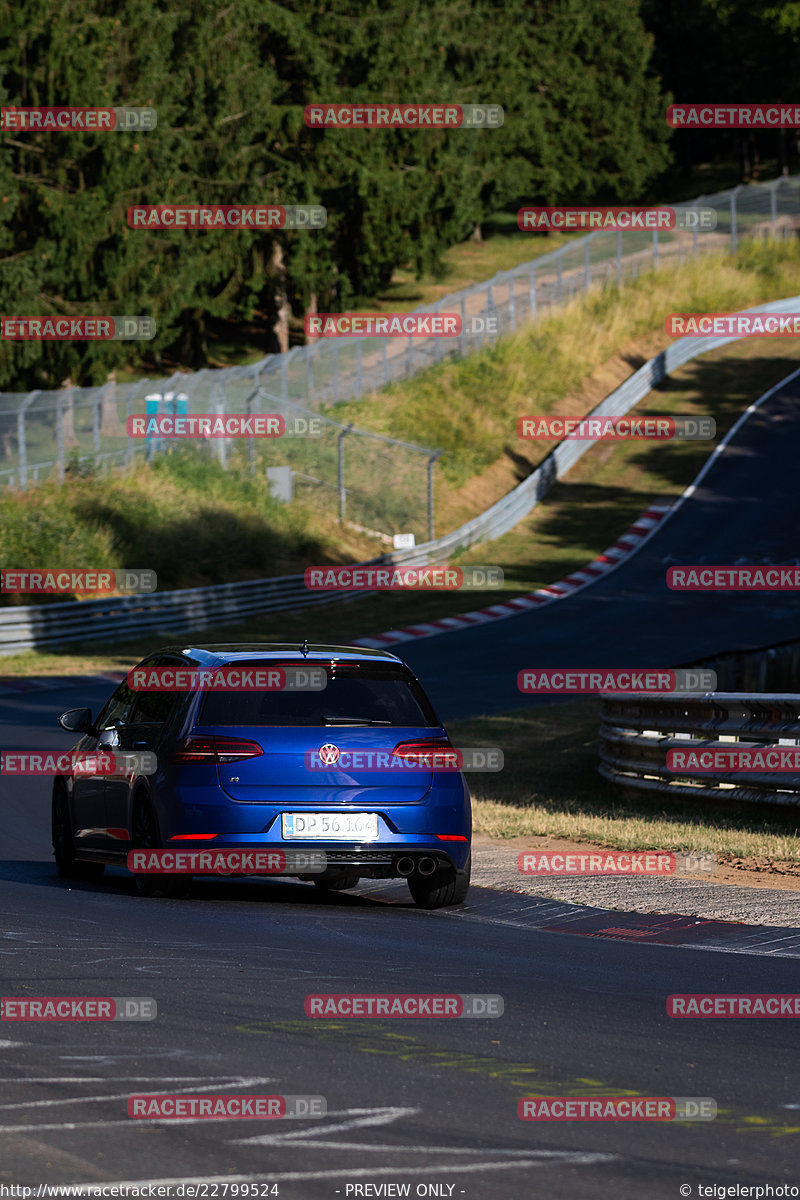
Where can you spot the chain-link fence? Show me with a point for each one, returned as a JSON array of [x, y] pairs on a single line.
[[46, 433], [376, 482]]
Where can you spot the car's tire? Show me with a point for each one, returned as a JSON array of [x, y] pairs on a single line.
[[145, 835], [338, 881], [444, 887], [67, 865]]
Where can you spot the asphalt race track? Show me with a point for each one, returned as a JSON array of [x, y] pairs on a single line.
[[744, 511], [426, 1103]]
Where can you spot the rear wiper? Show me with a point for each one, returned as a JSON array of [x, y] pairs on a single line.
[[333, 719]]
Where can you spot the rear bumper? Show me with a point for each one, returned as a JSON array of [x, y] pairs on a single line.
[[375, 860]]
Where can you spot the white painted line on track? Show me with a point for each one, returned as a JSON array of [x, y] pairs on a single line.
[[365, 1117], [225, 1081], [107, 1079]]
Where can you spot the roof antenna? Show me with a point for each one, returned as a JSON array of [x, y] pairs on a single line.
[[304, 648]]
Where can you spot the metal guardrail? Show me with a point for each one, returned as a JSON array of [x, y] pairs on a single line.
[[31, 626], [119, 617], [637, 733]]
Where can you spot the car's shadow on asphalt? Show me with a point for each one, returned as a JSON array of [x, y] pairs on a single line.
[[118, 882]]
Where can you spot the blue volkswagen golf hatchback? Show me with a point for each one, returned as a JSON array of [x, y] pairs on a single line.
[[357, 766]]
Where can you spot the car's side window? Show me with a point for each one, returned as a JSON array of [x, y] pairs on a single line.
[[156, 708], [118, 709]]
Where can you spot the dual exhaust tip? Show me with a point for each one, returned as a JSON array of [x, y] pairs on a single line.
[[406, 865]]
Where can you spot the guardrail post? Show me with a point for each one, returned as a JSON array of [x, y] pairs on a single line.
[[222, 409], [22, 446], [695, 242], [129, 452], [96, 427], [340, 472], [251, 460], [60, 437], [431, 465]]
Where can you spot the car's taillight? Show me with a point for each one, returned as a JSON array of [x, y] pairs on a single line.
[[196, 750], [214, 749], [433, 753]]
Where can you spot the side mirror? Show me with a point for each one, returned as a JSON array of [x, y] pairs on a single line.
[[76, 720]]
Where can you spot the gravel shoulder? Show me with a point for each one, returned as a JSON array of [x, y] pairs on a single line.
[[754, 891]]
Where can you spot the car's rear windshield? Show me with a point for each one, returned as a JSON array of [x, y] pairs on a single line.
[[356, 693]]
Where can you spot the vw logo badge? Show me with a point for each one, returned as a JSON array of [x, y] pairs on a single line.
[[329, 754]]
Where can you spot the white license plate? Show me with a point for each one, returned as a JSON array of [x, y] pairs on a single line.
[[316, 826]]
